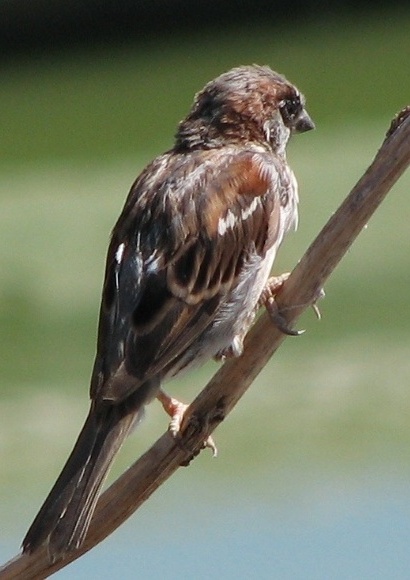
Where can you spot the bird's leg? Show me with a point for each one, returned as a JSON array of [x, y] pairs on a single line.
[[176, 410], [267, 299]]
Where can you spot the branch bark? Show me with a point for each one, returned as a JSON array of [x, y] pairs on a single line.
[[228, 385]]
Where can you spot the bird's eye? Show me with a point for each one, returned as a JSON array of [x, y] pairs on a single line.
[[290, 108]]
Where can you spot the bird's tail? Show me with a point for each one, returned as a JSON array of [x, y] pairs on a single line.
[[64, 517]]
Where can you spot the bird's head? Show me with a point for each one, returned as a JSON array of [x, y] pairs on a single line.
[[245, 104]]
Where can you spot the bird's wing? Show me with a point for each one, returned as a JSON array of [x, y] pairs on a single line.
[[187, 227]]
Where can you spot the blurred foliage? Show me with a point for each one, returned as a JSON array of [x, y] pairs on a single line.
[[119, 101], [40, 26]]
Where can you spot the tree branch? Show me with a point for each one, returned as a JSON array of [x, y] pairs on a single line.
[[228, 385]]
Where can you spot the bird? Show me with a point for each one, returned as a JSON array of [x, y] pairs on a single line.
[[187, 267]]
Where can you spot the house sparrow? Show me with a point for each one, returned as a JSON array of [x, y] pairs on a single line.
[[188, 262]]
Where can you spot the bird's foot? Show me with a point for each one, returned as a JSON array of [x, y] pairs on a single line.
[[176, 410], [272, 287], [319, 295], [267, 299]]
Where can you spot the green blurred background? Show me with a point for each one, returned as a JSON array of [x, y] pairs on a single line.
[[312, 480]]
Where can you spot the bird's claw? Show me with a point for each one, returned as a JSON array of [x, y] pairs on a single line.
[[267, 299], [279, 320], [176, 410], [319, 295], [316, 310]]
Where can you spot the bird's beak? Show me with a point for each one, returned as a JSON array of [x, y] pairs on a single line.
[[303, 123]]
